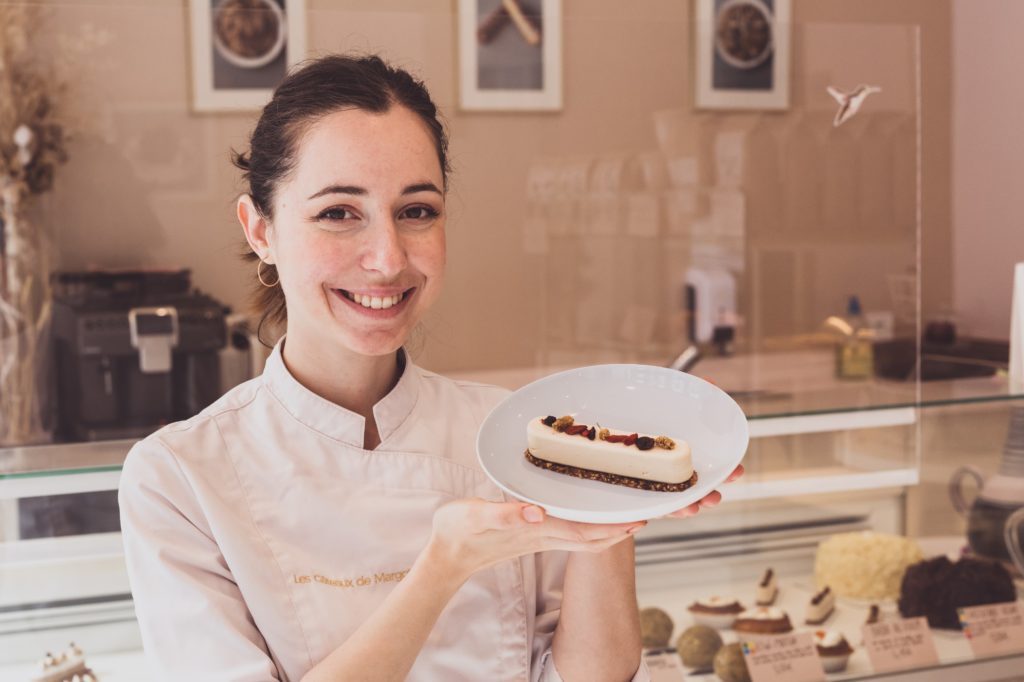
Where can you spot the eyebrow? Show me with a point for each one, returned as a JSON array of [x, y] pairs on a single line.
[[362, 191]]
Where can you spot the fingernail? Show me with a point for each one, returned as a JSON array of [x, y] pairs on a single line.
[[533, 514]]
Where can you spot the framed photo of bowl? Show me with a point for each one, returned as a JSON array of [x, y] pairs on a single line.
[[742, 54], [241, 50]]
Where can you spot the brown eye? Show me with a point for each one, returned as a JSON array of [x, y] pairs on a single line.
[[335, 213], [420, 213]]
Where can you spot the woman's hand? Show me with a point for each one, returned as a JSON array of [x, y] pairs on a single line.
[[709, 500], [472, 534]]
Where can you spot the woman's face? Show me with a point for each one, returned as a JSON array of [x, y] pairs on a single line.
[[358, 232]]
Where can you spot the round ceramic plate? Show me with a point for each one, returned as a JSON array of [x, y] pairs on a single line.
[[656, 401]]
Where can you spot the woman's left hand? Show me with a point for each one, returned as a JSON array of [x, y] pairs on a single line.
[[709, 500]]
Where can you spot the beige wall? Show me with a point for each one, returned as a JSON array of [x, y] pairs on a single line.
[[988, 169], [151, 183]]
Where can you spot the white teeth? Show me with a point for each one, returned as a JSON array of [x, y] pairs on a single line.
[[375, 302]]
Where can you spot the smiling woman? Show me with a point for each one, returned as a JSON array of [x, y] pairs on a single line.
[[359, 218], [331, 85], [330, 519]]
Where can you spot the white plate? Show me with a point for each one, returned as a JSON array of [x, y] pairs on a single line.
[[648, 400]]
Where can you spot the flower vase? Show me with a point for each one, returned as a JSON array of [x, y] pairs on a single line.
[[25, 330]]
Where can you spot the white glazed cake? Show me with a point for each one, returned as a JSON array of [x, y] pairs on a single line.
[[820, 607], [603, 454], [767, 589]]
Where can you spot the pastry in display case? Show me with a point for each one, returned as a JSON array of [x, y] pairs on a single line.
[[655, 628], [763, 620], [67, 666], [716, 612], [767, 589], [820, 607], [937, 587], [833, 650], [730, 665], [865, 564], [697, 647]]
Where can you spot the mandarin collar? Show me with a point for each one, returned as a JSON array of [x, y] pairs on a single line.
[[332, 419]]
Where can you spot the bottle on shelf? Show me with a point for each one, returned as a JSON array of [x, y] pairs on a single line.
[[854, 351]]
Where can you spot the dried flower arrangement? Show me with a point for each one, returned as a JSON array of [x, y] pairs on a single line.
[[33, 134]]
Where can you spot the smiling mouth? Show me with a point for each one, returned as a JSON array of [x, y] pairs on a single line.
[[376, 302]]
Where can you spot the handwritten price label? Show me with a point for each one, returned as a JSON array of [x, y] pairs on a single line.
[[900, 644], [993, 629], [664, 667], [791, 657]]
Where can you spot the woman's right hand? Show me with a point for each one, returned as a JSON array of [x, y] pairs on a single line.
[[472, 534]]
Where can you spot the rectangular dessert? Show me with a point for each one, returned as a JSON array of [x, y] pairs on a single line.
[[611, 456]]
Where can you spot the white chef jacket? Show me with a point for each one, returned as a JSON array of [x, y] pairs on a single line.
[[259, 534]]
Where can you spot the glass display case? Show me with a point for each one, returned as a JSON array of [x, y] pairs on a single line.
[[767, 250]]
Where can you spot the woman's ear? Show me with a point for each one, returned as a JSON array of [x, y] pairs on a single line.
[[257, 230]]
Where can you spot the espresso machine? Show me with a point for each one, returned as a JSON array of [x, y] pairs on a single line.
[[135, 349]]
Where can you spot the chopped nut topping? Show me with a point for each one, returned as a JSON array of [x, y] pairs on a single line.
[[603, 434], [665, 442], [562, 423]]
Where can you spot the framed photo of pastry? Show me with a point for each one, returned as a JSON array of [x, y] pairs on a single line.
[[241, 50], [742, 54], [510, 55]]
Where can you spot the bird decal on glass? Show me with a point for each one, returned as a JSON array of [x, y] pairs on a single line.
[[850, 102]]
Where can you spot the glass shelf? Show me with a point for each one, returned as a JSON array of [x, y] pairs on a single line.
[[775, 393], [57, 459]]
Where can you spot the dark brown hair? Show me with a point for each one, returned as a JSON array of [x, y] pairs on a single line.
[[321, 87]]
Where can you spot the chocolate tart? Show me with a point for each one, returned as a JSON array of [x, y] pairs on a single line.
[[763, 620]]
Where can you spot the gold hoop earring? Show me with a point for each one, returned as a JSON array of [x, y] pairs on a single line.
[[259, 275]]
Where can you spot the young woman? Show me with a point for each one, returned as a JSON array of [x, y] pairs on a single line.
[[328, 520]]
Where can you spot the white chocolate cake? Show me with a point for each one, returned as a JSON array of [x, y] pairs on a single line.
[[767, 589], [609, 456], [865, 564], [820, 607]]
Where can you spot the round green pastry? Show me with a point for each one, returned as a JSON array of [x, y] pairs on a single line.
[[698, 645], [655, 628], [729, 664]]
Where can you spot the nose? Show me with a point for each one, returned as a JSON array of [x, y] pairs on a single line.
[[384, 249]]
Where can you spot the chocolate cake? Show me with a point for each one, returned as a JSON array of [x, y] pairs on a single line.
[[937, 587]]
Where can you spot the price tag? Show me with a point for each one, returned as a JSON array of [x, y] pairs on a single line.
[[790, 657], [993, 629], [900, 644], [664, 666]]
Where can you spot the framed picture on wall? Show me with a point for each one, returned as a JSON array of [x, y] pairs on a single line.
[[241, 50], [510, 55], [742, 54]]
